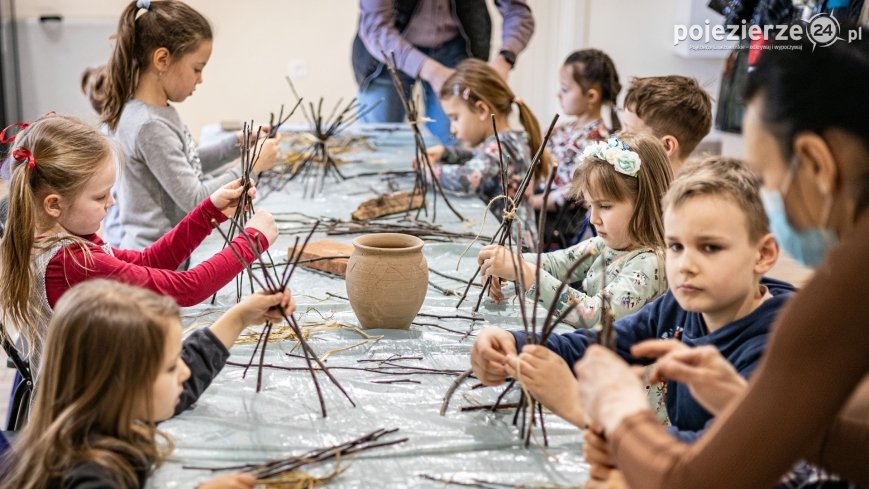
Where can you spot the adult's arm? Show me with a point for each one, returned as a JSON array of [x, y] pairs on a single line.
[[816, 358], [378, 33], [518, 25]]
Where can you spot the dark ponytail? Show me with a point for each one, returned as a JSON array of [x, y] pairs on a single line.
[[593, 67]]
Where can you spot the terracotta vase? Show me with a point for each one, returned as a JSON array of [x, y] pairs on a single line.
[[387, 279]]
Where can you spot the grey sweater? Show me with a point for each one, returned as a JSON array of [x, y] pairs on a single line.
[[164, 175]]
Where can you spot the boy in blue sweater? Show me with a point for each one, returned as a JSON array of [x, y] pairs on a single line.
[[718, 248]]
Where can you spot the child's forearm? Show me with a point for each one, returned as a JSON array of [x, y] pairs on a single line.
[[228, 327]]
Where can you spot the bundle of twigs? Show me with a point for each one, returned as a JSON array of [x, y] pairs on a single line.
[[511, 206], [529, 411], [425, 176], [276, 468], [317, 163], [420, 229], [251, 146], [275, 284], [338, 227], [276, 123]]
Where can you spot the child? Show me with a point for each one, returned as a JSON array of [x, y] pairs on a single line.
[[161, 50], [114, 366], [62, 171], [674, 109], [93, 86], [718, 248], [588, 81], [469, 97], [623, 181]]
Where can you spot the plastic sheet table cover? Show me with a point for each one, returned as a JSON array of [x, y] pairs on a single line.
[[233, 424]]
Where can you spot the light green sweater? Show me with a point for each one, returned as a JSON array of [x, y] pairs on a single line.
[[633, 279]]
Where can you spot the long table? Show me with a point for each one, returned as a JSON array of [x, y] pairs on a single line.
[[233, 424]]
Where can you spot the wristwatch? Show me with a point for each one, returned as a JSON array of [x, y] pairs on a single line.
[[509, 57]]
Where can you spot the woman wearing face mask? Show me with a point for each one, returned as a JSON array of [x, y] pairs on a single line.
[[807, 134]]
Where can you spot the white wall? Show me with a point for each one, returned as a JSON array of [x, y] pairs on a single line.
[[256, 39]]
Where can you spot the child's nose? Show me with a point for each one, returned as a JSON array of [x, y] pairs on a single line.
[[185, 372], [687, 263], [595, 217]]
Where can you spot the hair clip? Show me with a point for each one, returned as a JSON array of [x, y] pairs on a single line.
[[144, 4], [617, 153], [458, 92], [25, 156], [11, 139]]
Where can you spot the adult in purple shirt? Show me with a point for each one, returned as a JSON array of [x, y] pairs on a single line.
[[429, 38]]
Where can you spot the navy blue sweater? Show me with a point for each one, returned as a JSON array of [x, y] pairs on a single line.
[[742, 342]]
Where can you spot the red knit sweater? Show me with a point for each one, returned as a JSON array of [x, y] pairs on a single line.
[[155, 267]]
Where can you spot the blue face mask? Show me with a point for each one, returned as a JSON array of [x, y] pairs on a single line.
[[807, 246]]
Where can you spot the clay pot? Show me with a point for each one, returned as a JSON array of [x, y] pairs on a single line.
[[387, 279]]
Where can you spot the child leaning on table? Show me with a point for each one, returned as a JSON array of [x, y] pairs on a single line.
[[470, 97], [62, 171], [114, 366], [622, 180], [718, 249]]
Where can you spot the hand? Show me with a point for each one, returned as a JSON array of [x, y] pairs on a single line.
[[226, 198], [608, 390], [435, 74], [501, 66], [595, 448], [611, 479], [252, 138], [497, 261], [265, 223], [230, 481], [255, 309], [549, 380], [712, 380], [435, 154], [268, 155], [264, 306], [489, 355], [495, 291]]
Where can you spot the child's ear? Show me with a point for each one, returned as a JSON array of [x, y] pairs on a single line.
[[767, 254], [161, 59], [483, 109], [51, 205], [671, 146], [593, 95]]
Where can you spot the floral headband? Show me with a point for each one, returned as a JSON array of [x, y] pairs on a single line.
[[617, 153]]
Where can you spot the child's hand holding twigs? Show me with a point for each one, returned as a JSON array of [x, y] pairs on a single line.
[[549, 380], [489, 355], [227, 197], [265, 223]]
